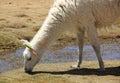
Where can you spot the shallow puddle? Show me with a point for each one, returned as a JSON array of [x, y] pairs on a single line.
[[67, 54]]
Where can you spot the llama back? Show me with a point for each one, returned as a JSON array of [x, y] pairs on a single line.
[[100, 12]]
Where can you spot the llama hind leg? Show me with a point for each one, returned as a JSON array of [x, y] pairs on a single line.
[[80, 40], [93, 37]]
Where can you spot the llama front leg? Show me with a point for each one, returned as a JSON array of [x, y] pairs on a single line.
[[94, 40], [80, 40]]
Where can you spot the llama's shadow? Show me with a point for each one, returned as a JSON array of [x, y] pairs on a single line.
[[115, 71]]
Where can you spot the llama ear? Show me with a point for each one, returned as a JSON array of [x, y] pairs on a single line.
[[26, 43]]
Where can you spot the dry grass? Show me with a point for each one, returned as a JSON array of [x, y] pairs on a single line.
[[36, 28], [22, 18], [23, 13], [62, 73], [8, 41]]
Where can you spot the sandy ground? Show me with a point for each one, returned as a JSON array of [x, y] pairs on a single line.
[[19, 16], [62, 73]]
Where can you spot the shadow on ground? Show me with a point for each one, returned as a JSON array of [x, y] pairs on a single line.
[[115, 71]]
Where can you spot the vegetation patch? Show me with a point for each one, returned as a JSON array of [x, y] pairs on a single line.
[[8, 41]]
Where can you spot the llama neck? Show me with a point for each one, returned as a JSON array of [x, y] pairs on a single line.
[[46, 36], [52, 28]]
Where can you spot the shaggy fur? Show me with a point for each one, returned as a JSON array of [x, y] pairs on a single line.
[[75, 16]]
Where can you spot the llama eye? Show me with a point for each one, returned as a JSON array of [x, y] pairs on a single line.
[[29, 59]]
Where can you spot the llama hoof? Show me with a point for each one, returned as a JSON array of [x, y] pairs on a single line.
[[75, 66], [102, 70]]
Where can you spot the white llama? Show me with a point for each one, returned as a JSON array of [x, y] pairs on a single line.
[[75, 16]]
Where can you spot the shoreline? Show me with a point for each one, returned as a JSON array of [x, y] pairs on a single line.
[[60, 43]]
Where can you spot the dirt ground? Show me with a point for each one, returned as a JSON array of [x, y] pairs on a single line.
[[62, 73], [19, 16], [21, 19]]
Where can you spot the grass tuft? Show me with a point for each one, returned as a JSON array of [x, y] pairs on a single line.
[[8, 41]]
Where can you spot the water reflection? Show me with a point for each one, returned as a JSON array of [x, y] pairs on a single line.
[[4, 66]]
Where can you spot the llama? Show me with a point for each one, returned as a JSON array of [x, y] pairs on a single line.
[[77, 16]]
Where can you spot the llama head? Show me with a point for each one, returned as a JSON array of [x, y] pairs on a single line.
[[30, 57]]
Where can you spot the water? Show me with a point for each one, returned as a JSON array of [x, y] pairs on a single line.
[[67, 54]]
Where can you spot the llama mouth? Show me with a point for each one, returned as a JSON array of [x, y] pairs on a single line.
[[28, 71]]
